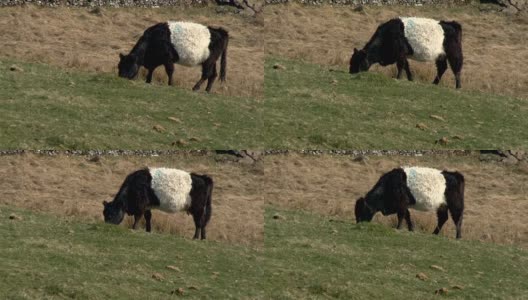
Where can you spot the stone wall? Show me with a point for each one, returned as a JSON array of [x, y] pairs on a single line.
[[112, 3], [514, 6], [374, 2], [250, 6]]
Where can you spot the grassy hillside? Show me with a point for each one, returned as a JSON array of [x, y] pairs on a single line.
[[45, 107], [316, 257], [54, 258], [305, 256], [313, 106]]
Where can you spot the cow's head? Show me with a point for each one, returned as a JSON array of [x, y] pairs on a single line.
[[363, 212], [359, 61], [113, 213], [128, 66]]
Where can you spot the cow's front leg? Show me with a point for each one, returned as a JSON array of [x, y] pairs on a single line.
[[136, 220], [401, 215], [149, 75]]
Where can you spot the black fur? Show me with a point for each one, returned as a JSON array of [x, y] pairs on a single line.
[[154, 48], [136, 197], [217, 48], [388, 45], [391, 195]]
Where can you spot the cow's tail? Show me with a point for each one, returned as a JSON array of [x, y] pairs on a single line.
[[223, 60], [208, 195]]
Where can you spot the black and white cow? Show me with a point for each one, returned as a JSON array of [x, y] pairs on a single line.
[[168, 190], [184, 43], [423, 189], [420, 39]]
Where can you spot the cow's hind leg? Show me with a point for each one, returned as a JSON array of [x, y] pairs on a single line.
[[441, 67], [148, 217], [441, 214], [169, 68], [456, 60], [457, 218], [206, 73], [203, 227], [197, 217], [211, 78], [410, 224]]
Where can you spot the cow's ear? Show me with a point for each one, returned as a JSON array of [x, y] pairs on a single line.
[[105, 203], [355, 50]]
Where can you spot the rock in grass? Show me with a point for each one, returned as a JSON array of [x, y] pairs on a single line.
[[158, 128], [441, 291], [277, 217], [158, 276], [180, 143], [174, 268], [174, 119], [442, 141], [435, 267], [16, 68], [279, 67], [178, 291], [14, 217], [457, 287], [422, 276], [437, 117], [421, 126]]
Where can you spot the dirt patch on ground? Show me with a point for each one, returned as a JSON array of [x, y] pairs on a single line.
[[495, 45], [76, 187], [496, 194], [90, 40]]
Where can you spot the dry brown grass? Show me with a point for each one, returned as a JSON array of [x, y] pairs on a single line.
[[495, 45], [78, 39], [75, 187], [496, 195]]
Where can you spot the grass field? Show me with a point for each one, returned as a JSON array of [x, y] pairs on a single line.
[[45, 257], [316, 257], [316, 106], [46, 107], [305, 256]]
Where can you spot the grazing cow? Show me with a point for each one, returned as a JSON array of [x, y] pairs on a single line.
[[420, 39], [420, 188], [169, 190], [184, 43]]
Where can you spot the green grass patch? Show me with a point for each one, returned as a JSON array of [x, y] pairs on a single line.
[[43, 256], [312, 106], [320, 257], [44, 107]]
